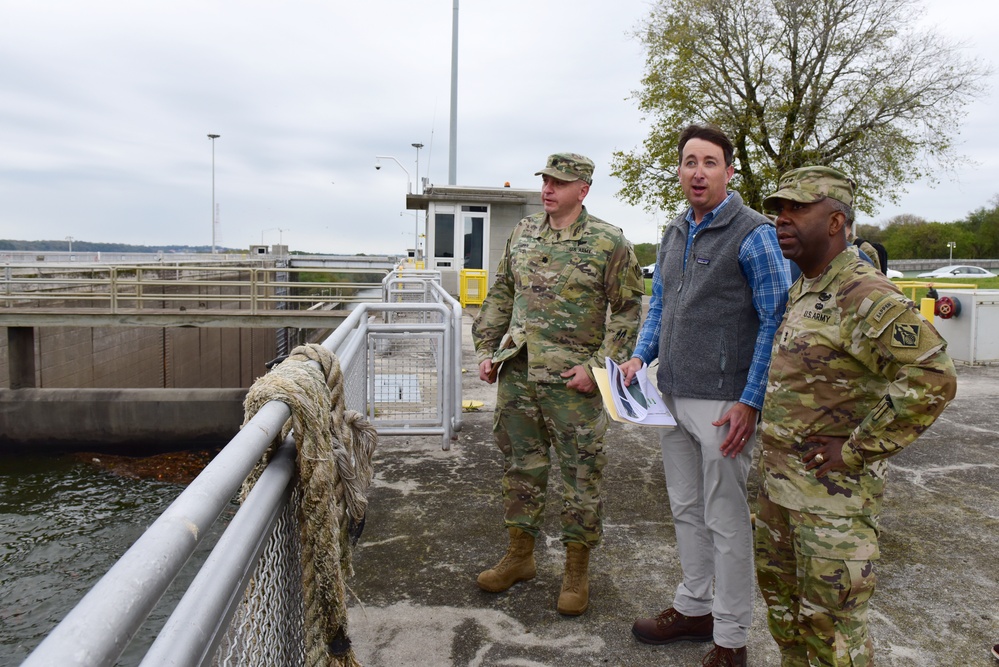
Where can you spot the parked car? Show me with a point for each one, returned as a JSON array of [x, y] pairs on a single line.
[[893, 274], [958, 271], [648, 270]]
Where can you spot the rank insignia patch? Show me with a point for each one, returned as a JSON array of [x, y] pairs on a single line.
[[905, 335]]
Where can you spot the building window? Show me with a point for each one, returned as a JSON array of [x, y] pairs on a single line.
[[444, 235]]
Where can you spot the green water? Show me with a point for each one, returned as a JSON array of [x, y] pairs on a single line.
[[63, 524]]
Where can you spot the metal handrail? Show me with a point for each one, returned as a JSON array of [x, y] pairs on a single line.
[[99, 628], [127, 289], [102, 624], [194, 629], [442, 296]]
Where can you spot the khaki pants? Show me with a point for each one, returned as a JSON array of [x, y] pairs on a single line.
[[714, 536]]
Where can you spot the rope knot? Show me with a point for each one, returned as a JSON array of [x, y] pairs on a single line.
[[335, 449]]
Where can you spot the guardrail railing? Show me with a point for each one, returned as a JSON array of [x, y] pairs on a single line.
[[128, 289], [215, 623]]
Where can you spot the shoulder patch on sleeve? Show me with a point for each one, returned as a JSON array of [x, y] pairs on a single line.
[[905, 334], [884, 309]]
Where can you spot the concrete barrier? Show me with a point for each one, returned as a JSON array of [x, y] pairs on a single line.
[[126, 421]]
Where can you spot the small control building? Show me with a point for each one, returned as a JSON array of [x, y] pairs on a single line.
[[467, 227]]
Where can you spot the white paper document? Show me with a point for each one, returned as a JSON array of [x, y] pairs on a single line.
[[637, 403]]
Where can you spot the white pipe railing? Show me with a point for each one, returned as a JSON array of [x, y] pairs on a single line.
[[99, 628]]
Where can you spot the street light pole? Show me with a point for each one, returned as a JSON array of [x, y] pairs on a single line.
[[409, 184], [273, 229], [417, 146], [951, 245], [213, 137], [416, 214]]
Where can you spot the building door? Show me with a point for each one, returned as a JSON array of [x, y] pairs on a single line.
[[474, 234], [441, 243]]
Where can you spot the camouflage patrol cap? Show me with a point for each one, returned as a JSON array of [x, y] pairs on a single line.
[[812, 184], [568, 167]]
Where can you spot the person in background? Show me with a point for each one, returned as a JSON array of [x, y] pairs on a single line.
[[568, 295], [856, 375], [718, 293], [868, 252]]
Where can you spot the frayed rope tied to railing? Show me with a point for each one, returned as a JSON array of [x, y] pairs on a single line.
[[335, 447]]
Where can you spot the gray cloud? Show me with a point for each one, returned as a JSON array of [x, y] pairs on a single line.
[[105, 107]]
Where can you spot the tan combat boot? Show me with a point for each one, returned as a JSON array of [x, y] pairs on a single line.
[[575, 597], [517, 564]]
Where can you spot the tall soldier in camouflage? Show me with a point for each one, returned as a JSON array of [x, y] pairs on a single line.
[[856, 375], [568, 294]]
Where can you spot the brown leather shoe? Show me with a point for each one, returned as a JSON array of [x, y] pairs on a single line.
[[672, 626], [720, 656]]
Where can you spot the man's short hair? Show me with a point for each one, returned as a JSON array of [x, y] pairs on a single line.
[[843, 208], [709, 133]]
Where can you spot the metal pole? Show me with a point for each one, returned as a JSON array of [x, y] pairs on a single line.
[[453, 140], [416, 213], [213, 137], [409, 185]]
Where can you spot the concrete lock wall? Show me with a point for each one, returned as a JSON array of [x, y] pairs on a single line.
[[145, 357], [131, 390], [124, 421]]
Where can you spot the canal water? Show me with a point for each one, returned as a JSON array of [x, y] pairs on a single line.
[[64, 521]]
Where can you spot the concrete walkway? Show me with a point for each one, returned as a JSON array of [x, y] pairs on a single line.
[[435, 521]]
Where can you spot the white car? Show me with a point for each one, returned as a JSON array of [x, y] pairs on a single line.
[[647, 271], [958, 271], [893, 274]]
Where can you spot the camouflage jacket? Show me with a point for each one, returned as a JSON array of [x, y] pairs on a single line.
[[852, 358], [552, 292]]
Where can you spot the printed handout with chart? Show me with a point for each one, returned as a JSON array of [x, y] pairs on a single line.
[[637, 403]]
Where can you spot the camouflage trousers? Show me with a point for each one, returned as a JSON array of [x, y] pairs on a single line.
[[816, 574], [533, 418]]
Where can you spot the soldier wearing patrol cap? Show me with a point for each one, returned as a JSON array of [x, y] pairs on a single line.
[[856, 375], [567, 295]]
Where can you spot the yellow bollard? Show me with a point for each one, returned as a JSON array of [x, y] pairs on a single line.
[[926, 307]]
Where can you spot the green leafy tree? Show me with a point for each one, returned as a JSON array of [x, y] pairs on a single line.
[[646, 253], [982, 229], [853, 84], [908, 237]]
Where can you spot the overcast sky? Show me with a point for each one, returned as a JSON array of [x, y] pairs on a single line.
[[105, 109]]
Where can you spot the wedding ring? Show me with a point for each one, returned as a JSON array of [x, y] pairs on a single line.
[[821, 459]]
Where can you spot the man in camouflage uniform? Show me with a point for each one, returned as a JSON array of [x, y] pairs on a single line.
[[568, 294], [867, 250], [856, 374]]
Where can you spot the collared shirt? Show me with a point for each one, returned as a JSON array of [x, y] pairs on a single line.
[[766, 272]]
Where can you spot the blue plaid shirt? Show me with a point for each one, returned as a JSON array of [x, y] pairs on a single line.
[[768, 275]]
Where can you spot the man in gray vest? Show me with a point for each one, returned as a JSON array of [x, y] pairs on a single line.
[[718, 294]]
